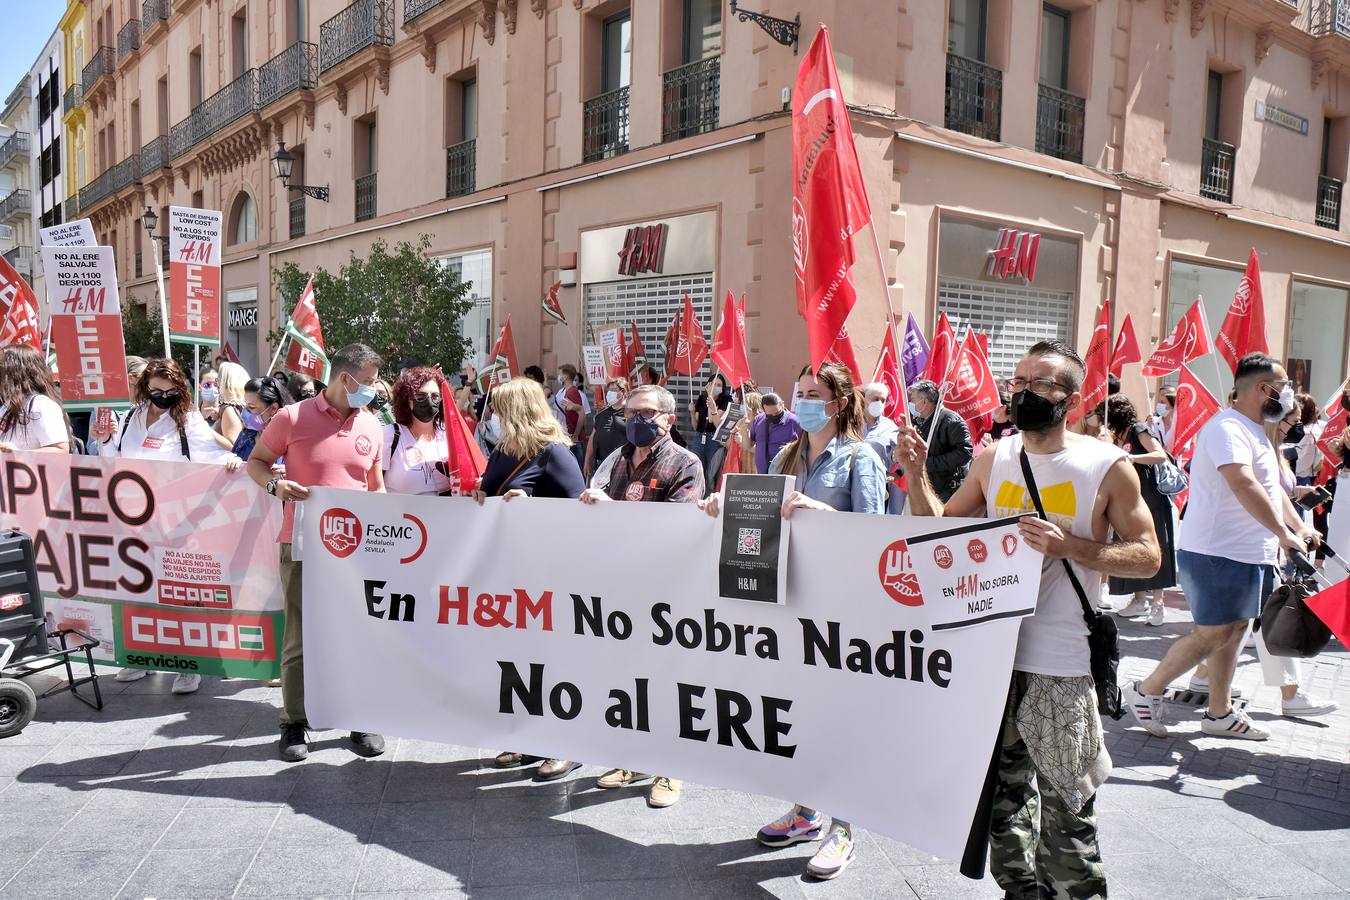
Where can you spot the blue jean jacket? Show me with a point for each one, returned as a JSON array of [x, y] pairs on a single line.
[[828, 479]]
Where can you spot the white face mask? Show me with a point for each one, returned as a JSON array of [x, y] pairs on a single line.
[[612, 397], [1162, 409], [876, 408]]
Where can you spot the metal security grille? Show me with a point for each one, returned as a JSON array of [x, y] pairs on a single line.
[[651, 304], [1014, 317]]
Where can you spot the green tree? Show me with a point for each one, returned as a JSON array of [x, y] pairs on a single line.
[[401, 303], [144, 336]]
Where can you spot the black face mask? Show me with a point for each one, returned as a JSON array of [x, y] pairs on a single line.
[[1345, 402], [1031, 412], [1295, 434], [165, 399], [426, 408], [379, 403]]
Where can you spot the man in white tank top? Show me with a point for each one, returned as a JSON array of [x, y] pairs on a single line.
[[1043, 836]]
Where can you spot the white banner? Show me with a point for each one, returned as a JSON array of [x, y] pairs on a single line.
[[75, 233], [436, 619], [976, 573]]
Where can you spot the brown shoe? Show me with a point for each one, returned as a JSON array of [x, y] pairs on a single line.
[[665, 792], [617, 778], [508, 759], [553, 769]]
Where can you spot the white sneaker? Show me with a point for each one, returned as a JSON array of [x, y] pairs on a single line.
[[131, 674], [1200, 685], [1303, 705], [1249, 643], [834, 855], [1157, 614], [1237, 725], [1137, 606], [186, 684], [1147, 709]]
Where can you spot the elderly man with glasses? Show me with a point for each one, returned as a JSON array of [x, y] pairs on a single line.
[[950, 449]]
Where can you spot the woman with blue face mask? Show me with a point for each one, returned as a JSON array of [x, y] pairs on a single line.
[[263, 398], [833, 471]]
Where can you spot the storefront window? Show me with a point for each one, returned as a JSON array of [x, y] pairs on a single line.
[[1015, 311], [1187, 281], [241, 326], [476, 325], [1316, 358]]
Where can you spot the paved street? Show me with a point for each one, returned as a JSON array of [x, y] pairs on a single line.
[[164, 796]]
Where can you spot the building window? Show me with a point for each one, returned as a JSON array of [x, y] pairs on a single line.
[[617, 62], [702, 29], [365, 159], [605, 116], [1330, 178], [475, 268], [239, 43], [461, 97], [241, 325], [1317, 338], [974, 89], [243, 220], [1217, 156], [1188, 281]]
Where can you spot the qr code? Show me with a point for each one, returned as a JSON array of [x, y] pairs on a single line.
[[748, 542]]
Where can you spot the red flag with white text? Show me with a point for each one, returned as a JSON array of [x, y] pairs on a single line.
[[728, 350], [970, 389], [635, 354], [1097, 362], [1244, 327], [1195, 406], [887, 372], [502, 365], [307, 354], [942, 351], [21, 325], [829, 202], [691, 347], [552, 308], [1189, 340], [1337, 422], [1126, 350]]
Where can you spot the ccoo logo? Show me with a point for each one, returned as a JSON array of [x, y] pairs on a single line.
[[340, 531], [897, 576]]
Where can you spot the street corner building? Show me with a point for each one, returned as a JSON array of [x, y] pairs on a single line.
[[1024, 161]]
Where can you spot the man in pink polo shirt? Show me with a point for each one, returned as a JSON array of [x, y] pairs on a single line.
[[329, 440]]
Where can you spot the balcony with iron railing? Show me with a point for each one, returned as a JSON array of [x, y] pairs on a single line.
[[73, 98], [16, 205], [974, 97], [690, 99], [366, 23], [414, 8], [226, 106], [70, 209], [99, 67], [15, 148], [297, 217], [365, 197], [604, 125], [1329, 201], [460, 169], [154, 13], [294, 69], [21, 258], [155, 157], [1329, 17], [1059, 123], [1216, 170], [129, 39]]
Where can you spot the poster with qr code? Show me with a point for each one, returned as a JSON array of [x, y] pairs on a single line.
[[752, 563]]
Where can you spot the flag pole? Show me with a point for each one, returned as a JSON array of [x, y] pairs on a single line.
[[891, 323], [163, 300], [272, 366]]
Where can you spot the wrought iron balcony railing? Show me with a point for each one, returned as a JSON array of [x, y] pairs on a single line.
[[1330, 17], [15, 205], [1059, 123], [1216, 170], [297, 217], [414, 8], [21, 258], [14, 147], [294, 69], [153, 12], [974, 97], [155, 156], [99, 65], [365, 197], [1329, 202], [366, 23], [71, 208], [691, 99], [604, 128], [186, 133], [96, 190], [460, 169], [129, 38], [73, 98], [232, 102], [126, 173]]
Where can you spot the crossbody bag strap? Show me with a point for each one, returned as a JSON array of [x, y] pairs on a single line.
[[1088, 613], [183, 443], [506, 485]]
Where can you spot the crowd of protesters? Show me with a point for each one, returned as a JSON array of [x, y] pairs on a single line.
[[550, 438]]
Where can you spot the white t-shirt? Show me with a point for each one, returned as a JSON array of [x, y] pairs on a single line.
[[161, 440], [1054, 641], [1215, 523], [411, 467], [46, 425]]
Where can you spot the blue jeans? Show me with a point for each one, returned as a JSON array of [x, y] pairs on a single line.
[[1222, 591]]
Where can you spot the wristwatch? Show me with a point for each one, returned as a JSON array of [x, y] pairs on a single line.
[[272, 486]]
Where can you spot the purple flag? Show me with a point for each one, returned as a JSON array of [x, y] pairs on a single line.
[[914, 354]]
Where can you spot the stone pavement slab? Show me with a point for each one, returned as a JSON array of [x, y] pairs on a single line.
[[163, 796]]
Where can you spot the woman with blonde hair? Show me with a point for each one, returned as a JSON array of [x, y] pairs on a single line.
[[230, 382]]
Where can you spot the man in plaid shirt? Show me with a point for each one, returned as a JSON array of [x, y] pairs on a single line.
[[652, 467]]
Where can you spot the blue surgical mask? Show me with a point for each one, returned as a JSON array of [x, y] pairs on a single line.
[[362, 396], [811, 414], [252, 421], [209, 393], [914, 411], [641, 432]]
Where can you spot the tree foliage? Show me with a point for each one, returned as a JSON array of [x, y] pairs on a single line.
[[401, 303], [143, 336]]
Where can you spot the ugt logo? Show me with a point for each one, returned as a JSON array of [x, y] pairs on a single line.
[[340, 532], [896, 573]]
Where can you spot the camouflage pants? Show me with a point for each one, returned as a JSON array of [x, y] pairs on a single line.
[[1038, 848]]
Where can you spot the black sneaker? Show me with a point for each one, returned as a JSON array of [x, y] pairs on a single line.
[[367, 744], [293, 744]]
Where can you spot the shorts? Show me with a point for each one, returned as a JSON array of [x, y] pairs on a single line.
[[1221, 591]]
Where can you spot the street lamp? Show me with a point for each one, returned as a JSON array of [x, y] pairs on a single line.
[[151, 221], [283, 162]]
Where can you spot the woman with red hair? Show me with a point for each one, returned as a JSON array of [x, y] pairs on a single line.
[[415, 442]]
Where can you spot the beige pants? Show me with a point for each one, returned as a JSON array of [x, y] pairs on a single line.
[[292, 642]]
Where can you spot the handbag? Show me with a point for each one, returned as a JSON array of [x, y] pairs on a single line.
[[1103, 642], [1288, 626], [1169, 478]]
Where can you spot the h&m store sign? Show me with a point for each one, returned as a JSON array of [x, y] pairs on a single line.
[[681, 245]]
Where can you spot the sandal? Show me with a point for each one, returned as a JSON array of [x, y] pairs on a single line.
[[508, 759]]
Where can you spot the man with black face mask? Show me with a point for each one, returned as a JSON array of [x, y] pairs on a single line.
[[1051, 749], [649, 467]]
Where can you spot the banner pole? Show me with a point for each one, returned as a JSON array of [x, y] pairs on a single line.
[[163, 300], [272, 366], [196, 374], [892, 325]]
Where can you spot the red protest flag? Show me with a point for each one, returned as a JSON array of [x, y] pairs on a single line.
[[941, 353], [465, 463], [306, 354], [1126, 350], [21, 325], [1189, 340], [552, 308], [1097, 362], [13, 287], [635, 353], [728, 350], [887, 372], [1244, 327], [1195, 406], [1183, 459], [1337, 422], [970, 389], [502, 364], [1332, 606], [227, 351], [691, 347], [829, 202]]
